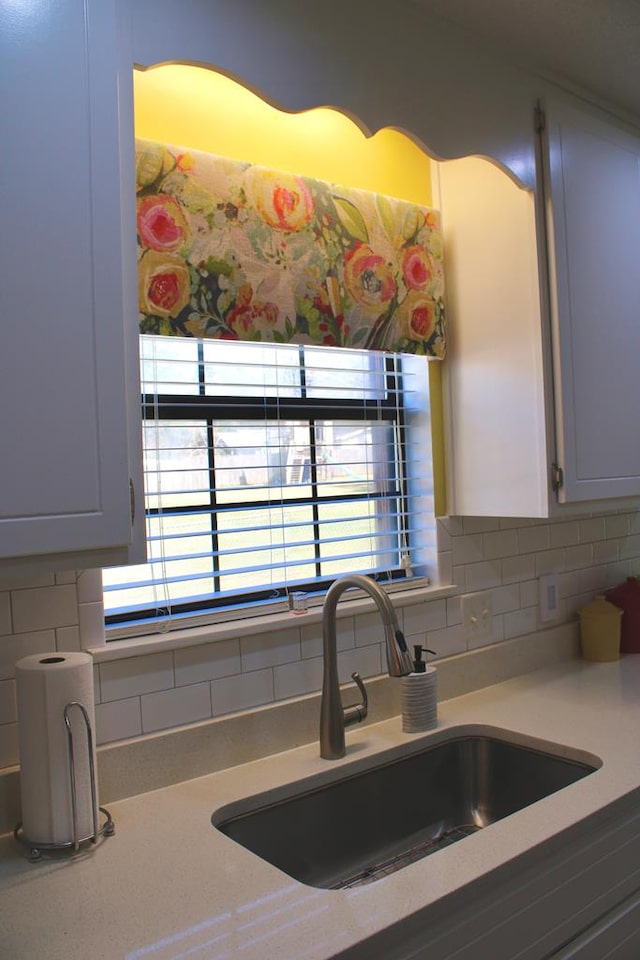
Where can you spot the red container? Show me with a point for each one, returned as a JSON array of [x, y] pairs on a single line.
[[627, 596]]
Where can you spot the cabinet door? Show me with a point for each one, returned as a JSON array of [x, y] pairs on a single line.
[[615, 936], [497, 450], [67, 296], [593, 220]]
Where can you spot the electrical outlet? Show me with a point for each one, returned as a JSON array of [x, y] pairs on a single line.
[[477, 615]]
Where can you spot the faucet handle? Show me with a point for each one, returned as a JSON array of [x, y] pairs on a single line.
[[358, 711]]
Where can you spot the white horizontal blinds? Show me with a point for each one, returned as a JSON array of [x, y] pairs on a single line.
[[267, 467]]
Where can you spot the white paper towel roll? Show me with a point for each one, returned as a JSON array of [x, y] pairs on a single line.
[[45, 684]]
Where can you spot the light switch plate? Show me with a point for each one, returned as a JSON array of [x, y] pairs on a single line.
[[548, 598], [477, 615]]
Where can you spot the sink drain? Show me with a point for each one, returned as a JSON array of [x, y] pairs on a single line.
[[386, 867]]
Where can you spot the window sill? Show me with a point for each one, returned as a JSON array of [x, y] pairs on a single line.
[[266, 623]]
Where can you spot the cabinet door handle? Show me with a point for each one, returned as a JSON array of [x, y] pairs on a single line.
[[132, 500]]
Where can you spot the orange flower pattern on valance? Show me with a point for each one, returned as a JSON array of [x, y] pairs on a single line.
[[236, 251]]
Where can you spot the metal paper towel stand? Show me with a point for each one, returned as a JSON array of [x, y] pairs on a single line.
[[107, 829]]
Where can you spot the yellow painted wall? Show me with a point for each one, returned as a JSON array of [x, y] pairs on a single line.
[[198, 108], [195, 107]]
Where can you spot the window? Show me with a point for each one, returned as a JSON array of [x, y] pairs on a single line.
[[271, 469]]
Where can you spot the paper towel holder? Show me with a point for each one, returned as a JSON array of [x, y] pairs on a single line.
[[107, 829]]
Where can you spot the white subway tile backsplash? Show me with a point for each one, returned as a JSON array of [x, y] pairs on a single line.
[[20, 581], [580, 556], [91, 616], [520, 622], [445, 569], [592, 529], [571, 606], [616, 525], [459, 578], [9, 753], [368, 661], [483, 576], [568, 585], [68, 638], [503, 543], [174, 708], [591, 580], [528, 593], [5, 613], [118, 720], [533, 539], [13, 648], [630, 547], [551, 561], [515, 523], [424, 617], [120, 679], [504, 599], [467, 549], [605, 551], [518, 568], [497, 628], [242, 692], [447, 642], [454, 612], [613, 574], [564, 534], [453, 525], [270, 649], [496, 635], [311, 637], [369, 628], [44, 607], [480, 524], [90, 586], [565, 531], [155, 691], [207, 662], [296, 679], [8, 705], [66, 576], [444, 537]]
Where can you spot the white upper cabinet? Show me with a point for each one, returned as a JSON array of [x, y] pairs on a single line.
[[544, 314], [525, 393], [495, 412], [592, 184], [68, 358], [541, 370]]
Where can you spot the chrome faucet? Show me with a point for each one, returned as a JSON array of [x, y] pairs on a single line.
[[333, 716]]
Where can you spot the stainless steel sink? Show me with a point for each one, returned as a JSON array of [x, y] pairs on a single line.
[[365, 825]]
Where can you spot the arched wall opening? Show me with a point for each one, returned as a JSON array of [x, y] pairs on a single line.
[[197, 107], [493, 288]]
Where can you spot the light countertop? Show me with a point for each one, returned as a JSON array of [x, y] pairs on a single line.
[[169, 885]]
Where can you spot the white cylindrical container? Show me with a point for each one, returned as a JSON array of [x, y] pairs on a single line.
[[419, 701], [45, 684]]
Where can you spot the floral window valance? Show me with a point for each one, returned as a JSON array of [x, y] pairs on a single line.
[[237, 251]]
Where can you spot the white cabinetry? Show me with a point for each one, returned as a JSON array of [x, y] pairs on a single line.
[[517, 405], [68, 355], [496, 414], [592, 176], [544, 335], [615, 936], [574, 897]]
